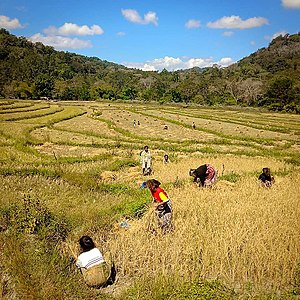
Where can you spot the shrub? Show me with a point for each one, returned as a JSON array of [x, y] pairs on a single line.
[[31, 217], [232, 177]]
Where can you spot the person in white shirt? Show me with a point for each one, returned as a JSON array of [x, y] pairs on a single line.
[[145, 158], [94, 268]]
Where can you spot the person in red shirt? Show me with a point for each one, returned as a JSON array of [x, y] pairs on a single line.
[[162, 204]]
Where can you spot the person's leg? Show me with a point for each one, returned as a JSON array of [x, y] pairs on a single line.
[[164, 221]]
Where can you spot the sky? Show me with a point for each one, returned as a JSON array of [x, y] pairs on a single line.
[[153, 34]]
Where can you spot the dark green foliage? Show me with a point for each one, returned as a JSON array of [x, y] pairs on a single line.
[[268, 77], [232, 177], [31, 217], [162, 288], [43, 86], [206, 291]]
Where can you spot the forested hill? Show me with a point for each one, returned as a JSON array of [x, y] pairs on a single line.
[[268, 77]]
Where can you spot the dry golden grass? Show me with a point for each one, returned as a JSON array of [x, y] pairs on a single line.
[[152, 127], [243, 235], [236, 232], [225, 127], [87, 124], [56, 136], [226, 164]]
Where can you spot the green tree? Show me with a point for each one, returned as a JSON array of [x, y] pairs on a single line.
[[280, 91], [43, 86]]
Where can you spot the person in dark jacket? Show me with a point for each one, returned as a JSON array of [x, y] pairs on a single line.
[[265, 178], [205, 174]]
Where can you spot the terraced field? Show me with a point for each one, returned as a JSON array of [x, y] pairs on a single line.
[[79, 164]]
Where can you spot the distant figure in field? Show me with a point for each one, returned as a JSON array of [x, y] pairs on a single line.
[[194, 126], [166, 127], [205, 174], [134, 123], [265, 178], [166, 159], [139, 123], [145, 157], [95, 270], [162, 204]]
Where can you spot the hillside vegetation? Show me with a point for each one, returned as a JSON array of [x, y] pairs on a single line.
[[71, 168], [267, 78]]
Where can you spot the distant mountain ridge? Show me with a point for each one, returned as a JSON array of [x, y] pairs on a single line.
[[269, 77]]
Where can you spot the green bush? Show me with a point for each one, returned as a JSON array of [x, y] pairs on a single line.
[[232, 177], [31, 217]]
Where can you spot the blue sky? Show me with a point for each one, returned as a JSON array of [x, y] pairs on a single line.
[[152, 35]]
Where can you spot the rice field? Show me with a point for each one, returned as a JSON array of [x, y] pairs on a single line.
[[78, 164]]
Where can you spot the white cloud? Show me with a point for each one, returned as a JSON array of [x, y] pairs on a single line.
[[192, 24], [228, 33], [147, 67], [291, 3], [253, 43], [8, 23], [60, 42], [275, 35], [121, 33], [225, 62], [69, 29], [235, 22], [151, 17], [133, 16], [173, 64]]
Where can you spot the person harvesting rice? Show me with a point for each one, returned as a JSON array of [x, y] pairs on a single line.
[[162, 204]]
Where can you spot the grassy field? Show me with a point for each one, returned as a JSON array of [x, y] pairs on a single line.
[[72, 168]]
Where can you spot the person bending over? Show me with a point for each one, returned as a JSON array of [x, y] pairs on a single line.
[[205, 174], [162, 204]]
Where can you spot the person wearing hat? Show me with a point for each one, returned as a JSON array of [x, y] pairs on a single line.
[[162, 204]]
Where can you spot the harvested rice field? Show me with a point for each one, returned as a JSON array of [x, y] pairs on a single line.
[[73, 168]]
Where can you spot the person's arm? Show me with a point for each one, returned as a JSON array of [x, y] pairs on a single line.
[[78, 263], [202, 180], [262, 178], [142, 157], [163, 197]]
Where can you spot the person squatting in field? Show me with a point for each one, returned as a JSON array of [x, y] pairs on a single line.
[[205, 174], [95, 270], [265, 178], [145, 157], [162, 204], [166, 159]]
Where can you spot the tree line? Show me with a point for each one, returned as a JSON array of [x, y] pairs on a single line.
[[269, 77]]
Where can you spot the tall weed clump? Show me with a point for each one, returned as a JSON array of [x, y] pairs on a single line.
[[33, 264], [31, 217]]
